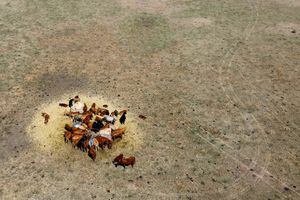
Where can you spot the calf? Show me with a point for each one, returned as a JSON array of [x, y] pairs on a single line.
[[46, 117]]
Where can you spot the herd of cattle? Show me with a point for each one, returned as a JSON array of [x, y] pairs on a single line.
[[94, 128]]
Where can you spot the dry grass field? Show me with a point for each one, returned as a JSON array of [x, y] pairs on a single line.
[[217, 79]]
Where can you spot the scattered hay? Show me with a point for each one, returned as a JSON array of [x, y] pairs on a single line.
[[49, 137]]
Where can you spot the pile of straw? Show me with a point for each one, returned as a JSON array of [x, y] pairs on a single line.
[[49, 137]]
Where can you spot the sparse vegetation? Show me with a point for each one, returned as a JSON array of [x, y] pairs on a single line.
[[215, 83]]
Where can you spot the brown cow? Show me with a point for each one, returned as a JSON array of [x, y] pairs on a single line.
[[118, 159], [121, 160], [68, 128], [75, 139], [74, 130], [93, 108], [63, 105], [46, 117], [87, 119], [118, 133], [103, 141], [67, 136], [102, 111], [85, 108], [79, 132], [107, 125], [86, 144], [92, 153], [81, 143]]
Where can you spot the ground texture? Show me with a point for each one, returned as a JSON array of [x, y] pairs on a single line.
[[218, 81]]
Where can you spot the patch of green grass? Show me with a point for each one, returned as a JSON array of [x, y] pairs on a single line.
[[145, 33]]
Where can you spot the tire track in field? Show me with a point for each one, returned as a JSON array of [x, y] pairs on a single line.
[[235, 98]]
